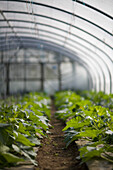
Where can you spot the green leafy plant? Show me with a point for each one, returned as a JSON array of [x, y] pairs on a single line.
[[88, 119], [21, 127]]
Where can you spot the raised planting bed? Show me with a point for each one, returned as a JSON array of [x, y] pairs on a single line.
[[89, 124]]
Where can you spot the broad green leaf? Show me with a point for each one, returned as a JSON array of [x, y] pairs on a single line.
[[16, 148], [31, 152], [90, 133], [22, 129], [75, 124], [34, 140], [11, 158], [28, 156], [22, 139], [4, 148]]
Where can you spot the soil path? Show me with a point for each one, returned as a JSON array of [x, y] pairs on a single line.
[[53, 155]]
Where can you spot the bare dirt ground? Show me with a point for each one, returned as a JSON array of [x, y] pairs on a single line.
[[53, 155]]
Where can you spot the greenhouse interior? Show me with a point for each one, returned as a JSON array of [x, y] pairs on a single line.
[[58, 51]]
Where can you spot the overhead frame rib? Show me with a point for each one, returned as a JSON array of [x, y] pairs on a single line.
[[62, 10], [93, 8], [56, 29], [12, 28], [44, 16]]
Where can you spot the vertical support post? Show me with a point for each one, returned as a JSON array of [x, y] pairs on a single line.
[[24, 88], [24, 77], [2, 57], [88, 80], [7, 79], [73, 63], [59, 76], [42, 76]]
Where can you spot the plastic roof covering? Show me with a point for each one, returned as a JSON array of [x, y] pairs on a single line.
[[82, 29]]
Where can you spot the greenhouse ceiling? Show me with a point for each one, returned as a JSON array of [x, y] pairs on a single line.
[[80, 29]]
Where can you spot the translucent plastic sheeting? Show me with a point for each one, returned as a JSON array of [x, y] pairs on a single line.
[[74, 77], [94, 71], [78, 11], [32, 71], [82, 27], [21, 86], [51, 86], [51, 71]]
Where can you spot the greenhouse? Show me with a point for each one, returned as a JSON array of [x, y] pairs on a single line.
[[56, 72]]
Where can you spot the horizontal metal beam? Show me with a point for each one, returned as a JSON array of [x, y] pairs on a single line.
[[24, 78], [30, 79], [37, 63]]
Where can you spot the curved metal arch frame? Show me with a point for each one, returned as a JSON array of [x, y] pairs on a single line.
[[59, 29], [93, 8], [65, 54], [77, 1], [93, 72], [50, 27], [62, 10], [85, 66], [44, 16], [68, 54], [91, 64], [89, 58], [99, 66], [95, 78], [75, 36], [101, 51], [83, 52], [91, 68]]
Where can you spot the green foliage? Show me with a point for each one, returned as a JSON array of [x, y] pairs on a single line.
[[99, 98], [88, 118], [21, 127]]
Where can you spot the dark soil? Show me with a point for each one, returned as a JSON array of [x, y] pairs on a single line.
[[53, 155]]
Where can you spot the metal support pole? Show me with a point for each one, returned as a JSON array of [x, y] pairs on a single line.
[[7, 79], [25, 51], [42, 76], [24, 77], [2, 56], [73, 74], [59, 76]]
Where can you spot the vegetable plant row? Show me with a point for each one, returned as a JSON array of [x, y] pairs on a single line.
[[89, 119], [22, 126]]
